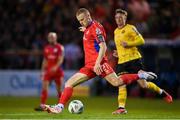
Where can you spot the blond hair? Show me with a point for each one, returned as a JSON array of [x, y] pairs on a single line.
[[121, 12], [82, 10]]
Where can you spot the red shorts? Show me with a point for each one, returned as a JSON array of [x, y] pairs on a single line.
[[89, 70], [56, 76]]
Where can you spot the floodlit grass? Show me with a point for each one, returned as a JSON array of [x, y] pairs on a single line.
[[94, 108]]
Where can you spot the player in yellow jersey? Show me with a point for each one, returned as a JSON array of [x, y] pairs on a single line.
[[127, 38]]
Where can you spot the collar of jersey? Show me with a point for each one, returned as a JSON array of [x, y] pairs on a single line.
[[90, 24]]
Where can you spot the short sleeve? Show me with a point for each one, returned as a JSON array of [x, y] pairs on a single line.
[[59, 52], [99, 35]]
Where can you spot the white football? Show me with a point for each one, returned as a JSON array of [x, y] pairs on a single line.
[[76, 107]]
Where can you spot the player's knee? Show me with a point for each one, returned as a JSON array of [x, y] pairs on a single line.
[[144, 86], [142, 83], [45, 86], [115, 84], [68, 84]]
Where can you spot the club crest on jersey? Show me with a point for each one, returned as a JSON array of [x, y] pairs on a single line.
[[55, 50], [51, 56], [123, 31], [98, 31]]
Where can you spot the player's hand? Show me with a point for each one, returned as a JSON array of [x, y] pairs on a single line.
[[82, 29], [98, 69], [54, 69], [115, 54], [124, 44]]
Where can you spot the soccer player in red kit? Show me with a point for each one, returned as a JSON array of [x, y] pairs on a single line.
[[95, 61], [51, 70]]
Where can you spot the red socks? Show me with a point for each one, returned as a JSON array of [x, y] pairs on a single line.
[[44, 95], [66, 95], [59, 94], [129, 78]]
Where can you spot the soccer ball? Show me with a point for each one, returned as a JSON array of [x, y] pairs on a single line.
[[76, 107]]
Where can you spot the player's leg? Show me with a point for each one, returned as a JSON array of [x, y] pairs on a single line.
[[67, 92], [122, 96], [114, 80], [83, 75], [151, 86], [75, 80], [44, 95], [122, 92], [132, 66], [59, 78], [58, 81]]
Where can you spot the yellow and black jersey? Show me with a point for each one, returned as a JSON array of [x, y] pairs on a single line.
[[131, 36]]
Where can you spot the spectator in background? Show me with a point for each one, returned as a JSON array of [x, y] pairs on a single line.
[[34, 17], [73, 54], [140, 9]]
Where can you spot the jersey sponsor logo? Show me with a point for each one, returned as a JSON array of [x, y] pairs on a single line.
[[55, 50], [87, 32], [84, 37], [123, 31], [51, 57], [99, 35]]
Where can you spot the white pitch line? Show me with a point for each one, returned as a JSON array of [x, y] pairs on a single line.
[[39, 114], [22, 114]]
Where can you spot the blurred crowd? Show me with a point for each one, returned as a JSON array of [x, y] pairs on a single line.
[[25, 23]]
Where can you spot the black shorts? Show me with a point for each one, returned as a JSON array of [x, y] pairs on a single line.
[[132, 66]]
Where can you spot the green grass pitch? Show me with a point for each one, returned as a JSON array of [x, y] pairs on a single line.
[[94, 108]]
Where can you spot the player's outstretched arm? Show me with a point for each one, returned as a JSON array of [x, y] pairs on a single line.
[[102, 51], [137, 38]]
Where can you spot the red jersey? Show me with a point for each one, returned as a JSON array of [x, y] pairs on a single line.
[[51, 54], [93, 35]]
